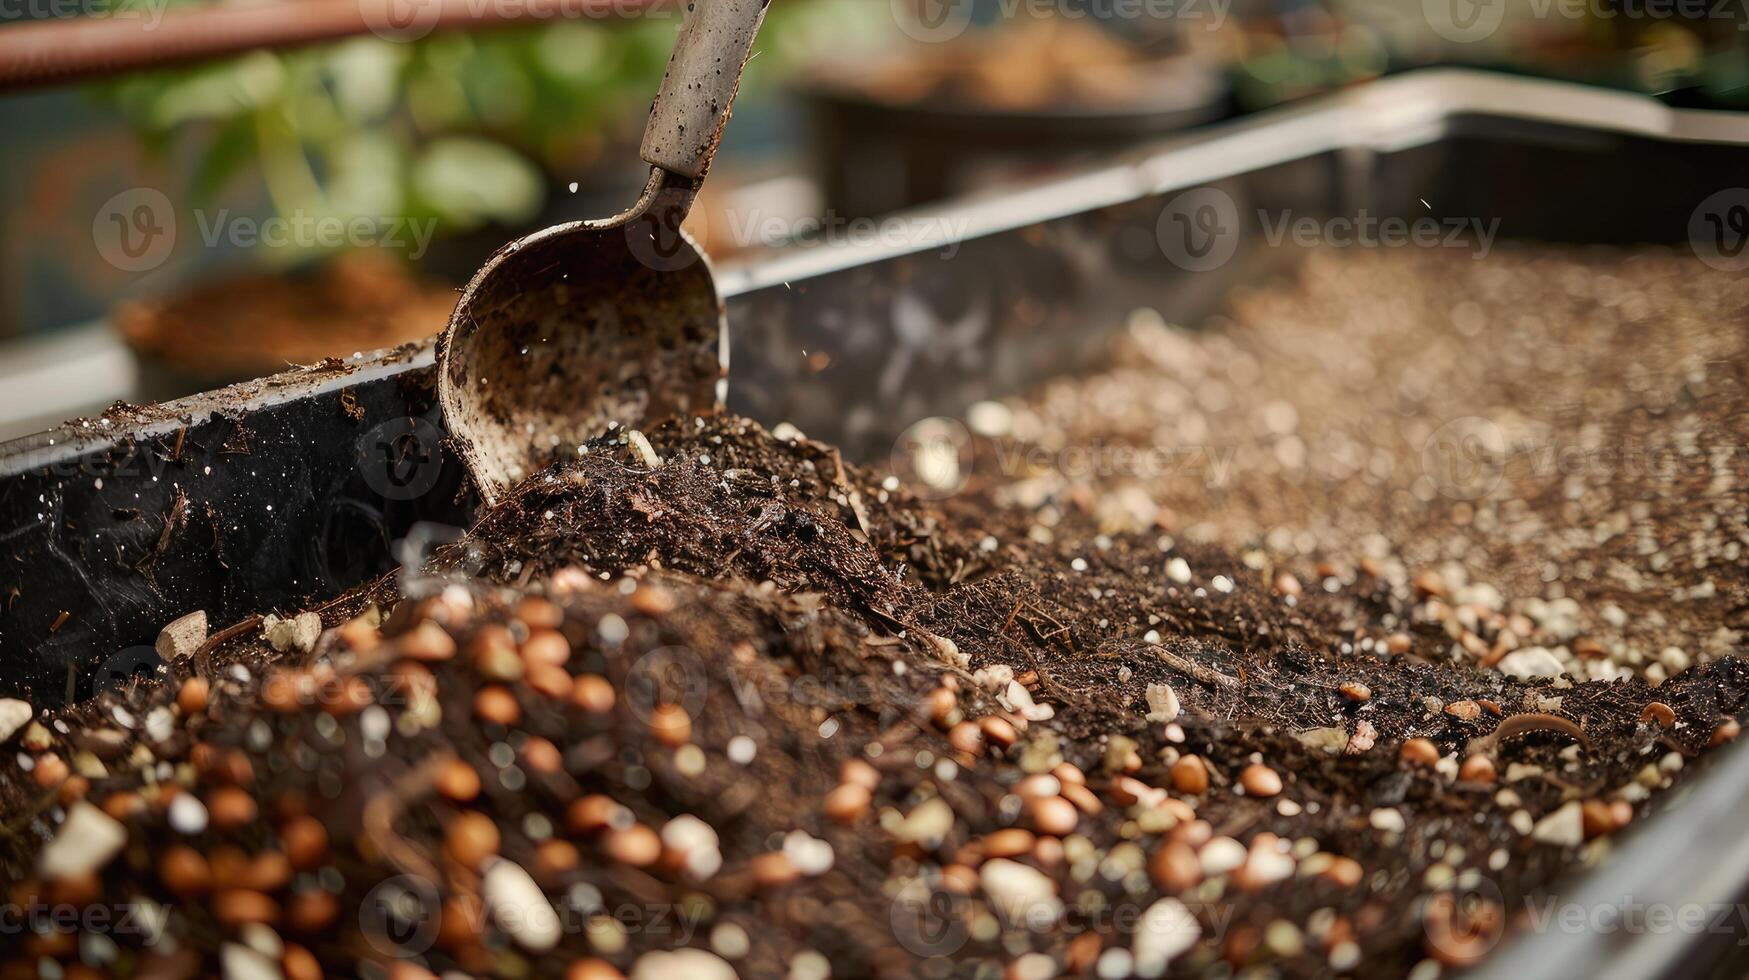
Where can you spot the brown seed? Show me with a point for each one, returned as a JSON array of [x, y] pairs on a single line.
[[231, 807], [1727, 731], [546, 647], [51, 770], [268, 871], [592, 969], [492, 652], [1477, 769], [860, 773], [1429, 584], [1038, 784], [1175, 867], [1054, 815], [299, 963], [1128, 791], [636, 846], [427, 641], [347, 697], [1356, 691], [470, 839], [959, 879], [193, 695], [1083, 799], [495, 705], [652, 600], [941, 703], [540, 613], [998, 731], [1068, 773], [306, 842], [360, 635], [1008, 842], [1398, 644], [1622, 813], [847, 802], [966, 737], [594, 813], [1286, 584], [74, 790], [773, 870], [1260, 780], [1597, 818], [184, 871], [1190, 775], [458, 781], [1419, 752], [312, 911], [1464, 710], [122, 804], [1659, 712], [241, 906], [552, 682], [555, 858], [1345, 872], [542, 756], [671, 725], [1083, 953], [593, 693]]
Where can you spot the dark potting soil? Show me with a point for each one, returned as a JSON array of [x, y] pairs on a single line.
[[722, 691]]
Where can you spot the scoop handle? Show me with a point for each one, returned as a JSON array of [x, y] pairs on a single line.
[[698, 90]]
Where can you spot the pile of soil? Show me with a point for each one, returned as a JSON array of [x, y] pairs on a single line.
[[707, 689], [256, 324]]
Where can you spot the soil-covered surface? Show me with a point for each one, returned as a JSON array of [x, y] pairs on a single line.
[[704, 688]]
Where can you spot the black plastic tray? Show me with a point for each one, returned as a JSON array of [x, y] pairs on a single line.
[[280, 491]]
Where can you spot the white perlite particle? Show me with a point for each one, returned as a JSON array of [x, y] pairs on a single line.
[[645, 452], [1563, 828], [519, 907], [1025, 895], [1166, 930], [1162, 703], [89, 838], [1530, 662], [14, 714]]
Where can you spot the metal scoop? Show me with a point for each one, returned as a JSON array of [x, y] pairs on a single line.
[[616, 320]]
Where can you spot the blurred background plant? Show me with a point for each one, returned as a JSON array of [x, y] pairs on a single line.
[[462, 129]]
